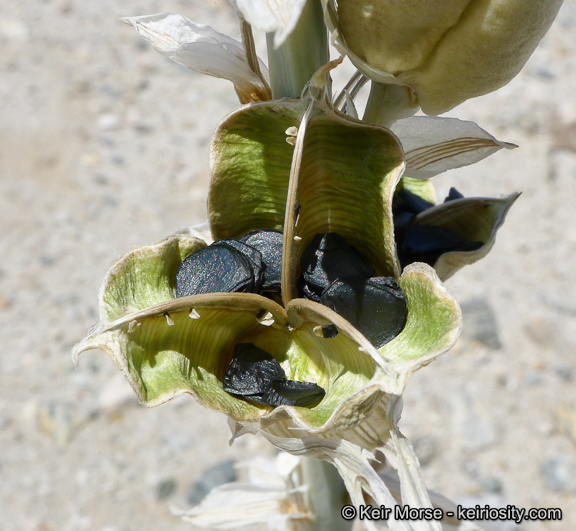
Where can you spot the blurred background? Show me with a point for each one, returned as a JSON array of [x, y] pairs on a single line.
[[104, 146]]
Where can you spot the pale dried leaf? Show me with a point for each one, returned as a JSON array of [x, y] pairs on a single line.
[[279, 17], [401, 456], [202, 49], [242, 505]]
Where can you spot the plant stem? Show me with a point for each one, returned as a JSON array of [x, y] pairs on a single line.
[[326, 491], [305, 50], [388, 103]]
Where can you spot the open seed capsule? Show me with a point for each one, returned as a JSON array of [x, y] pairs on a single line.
[[375, 306], [216, 268], [269, 243], [329, 257]]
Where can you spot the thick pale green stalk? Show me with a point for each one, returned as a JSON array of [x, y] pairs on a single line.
[[305, 50], [388, 103], [325, 493]]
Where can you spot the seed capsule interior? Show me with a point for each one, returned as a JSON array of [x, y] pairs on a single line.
[[334, 274]]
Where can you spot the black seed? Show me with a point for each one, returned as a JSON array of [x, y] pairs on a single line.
[[412, 202], [251, 372], [292, 393], [305, 291], [213, 269], [255, 375], [453, 194], [327, 258], [269, 243], [297, 208], [375, 306], [255, 257], [406, 205], [426, 243], [401, 219]]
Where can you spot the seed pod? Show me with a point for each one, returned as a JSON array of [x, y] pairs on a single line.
[[376, 306], [269, 243], [327, 258], [216, 268], [447, 52], [426, 243]]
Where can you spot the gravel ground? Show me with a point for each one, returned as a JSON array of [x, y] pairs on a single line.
[[104, 147]]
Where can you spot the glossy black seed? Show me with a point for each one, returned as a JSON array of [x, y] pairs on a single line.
[[406, 205], [375, 306], [453, 194], [255, 257], [256, 375], [401, 219], [216, 268], [269, 243], [251, 372], [329, 257], [426, 243], [292, 393], [413, 202], [307, 292]]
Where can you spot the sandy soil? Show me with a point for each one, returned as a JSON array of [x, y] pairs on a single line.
[[104, 147]]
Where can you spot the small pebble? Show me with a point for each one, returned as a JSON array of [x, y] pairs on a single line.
[[558, 475], [491, 484], [215, 476], [480, 323], [426, 449], [165, 489]]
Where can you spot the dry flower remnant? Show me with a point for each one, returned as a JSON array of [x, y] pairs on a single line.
[[318, 292]]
